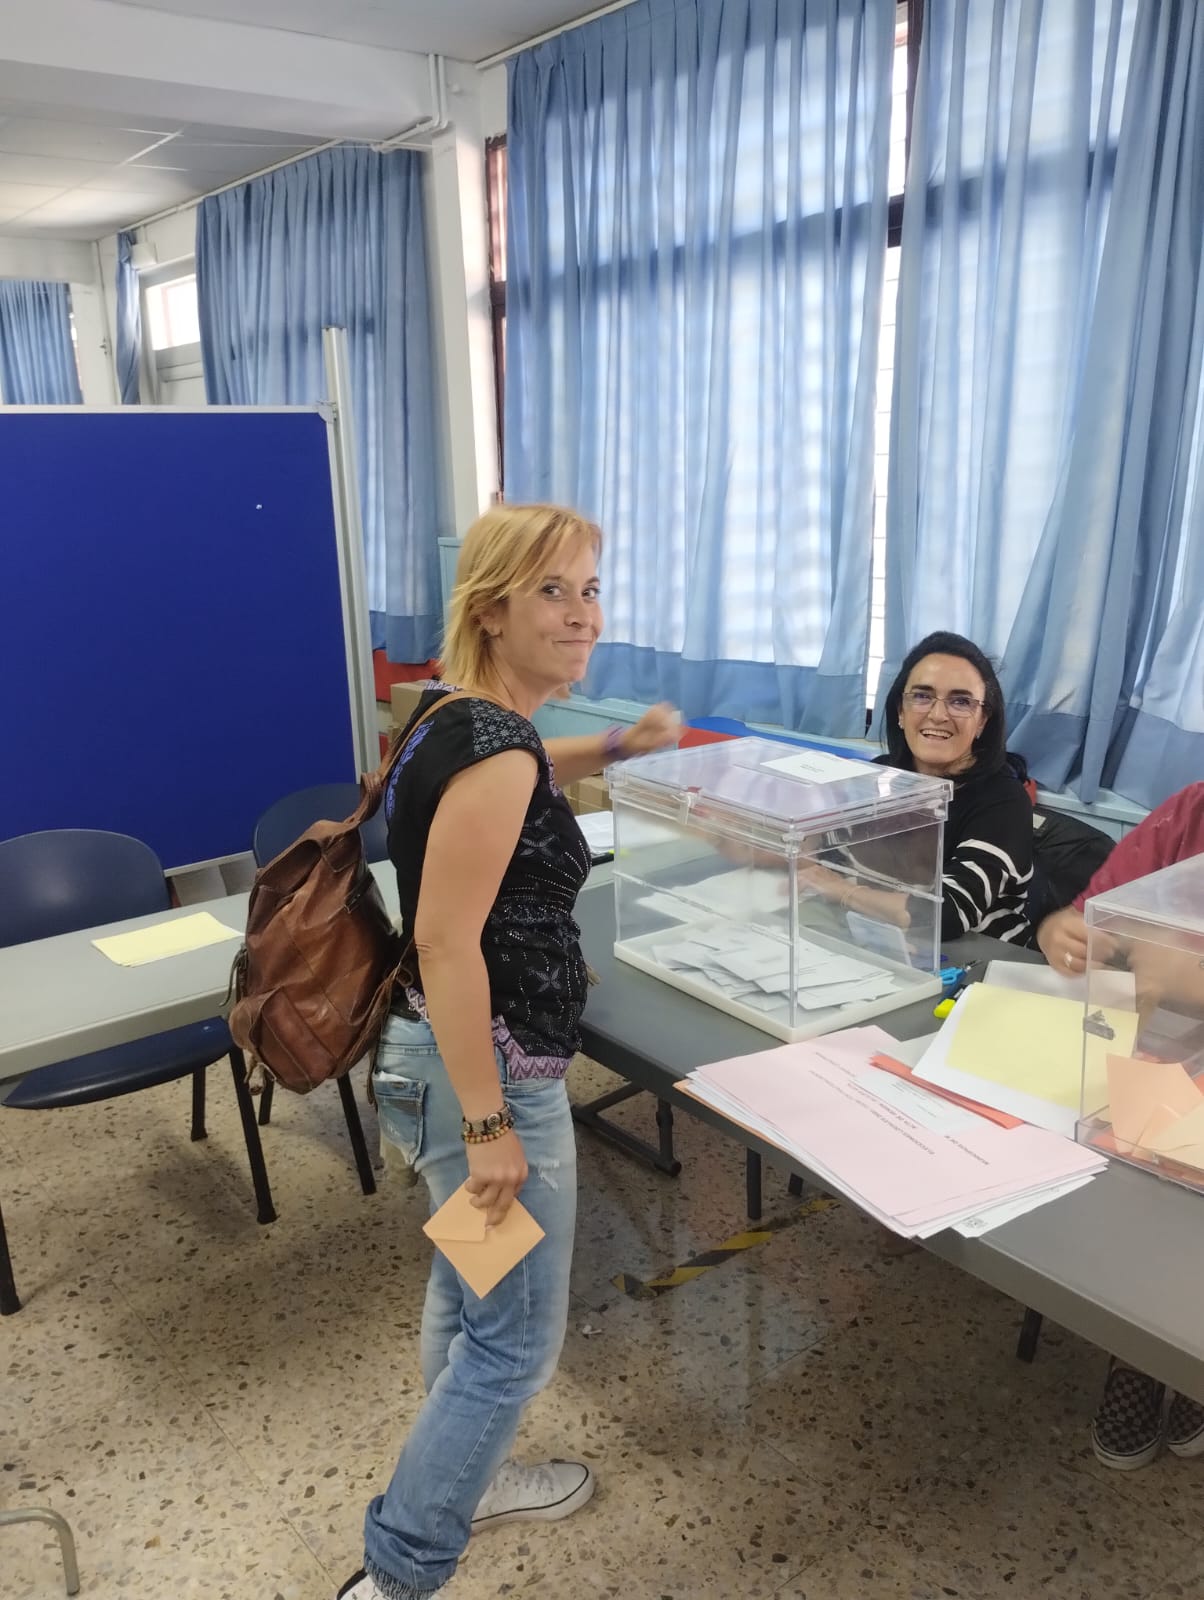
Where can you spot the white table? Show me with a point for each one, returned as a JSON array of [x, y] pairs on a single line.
[[1121, 1261]]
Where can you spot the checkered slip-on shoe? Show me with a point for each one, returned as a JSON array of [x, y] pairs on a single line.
[[1185, 1427], [1127, 1431]]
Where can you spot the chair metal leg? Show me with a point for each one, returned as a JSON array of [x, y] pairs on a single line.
[[9, 1299], [199, 1131], [795, 1186], [1030, 1332], [355, 1132], [62, 1528], [265, 1101], [266, 1211], [752, 1184]]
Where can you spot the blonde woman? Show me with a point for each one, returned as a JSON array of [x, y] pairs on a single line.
[[469, 1077]]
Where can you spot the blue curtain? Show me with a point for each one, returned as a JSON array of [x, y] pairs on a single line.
[[1046, 428], [129, 323], [1106, 657], [37, 357], [338, 240], [696, 236]]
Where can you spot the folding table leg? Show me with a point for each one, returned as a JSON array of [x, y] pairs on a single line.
[[752, 1184], [1030, 1333], [661, 1157]]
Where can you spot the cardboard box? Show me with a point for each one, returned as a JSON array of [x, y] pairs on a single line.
[[588, 794], [594, 794], [404, 698]]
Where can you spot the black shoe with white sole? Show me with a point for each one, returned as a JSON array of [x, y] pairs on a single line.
[[1127, 1431]]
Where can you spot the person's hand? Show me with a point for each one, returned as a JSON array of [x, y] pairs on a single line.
[[497, 1170], [1062, 937], [657, 729], [821, 880], [1165, 975]]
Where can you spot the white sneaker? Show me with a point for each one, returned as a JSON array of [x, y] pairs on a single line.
[[359, 1587], [544, 1493]]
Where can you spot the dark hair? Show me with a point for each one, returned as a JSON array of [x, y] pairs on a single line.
[[991, 745]]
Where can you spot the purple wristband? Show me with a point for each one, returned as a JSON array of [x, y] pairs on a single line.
[[612, 745]]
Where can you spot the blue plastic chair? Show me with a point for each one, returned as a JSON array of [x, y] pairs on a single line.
[[279, 826], [325, 802], [72, 878]]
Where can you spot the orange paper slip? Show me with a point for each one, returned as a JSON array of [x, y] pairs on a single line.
[[1146, 1099], [482, 1256], [900, 1069]]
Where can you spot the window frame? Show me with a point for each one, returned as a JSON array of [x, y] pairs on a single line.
[[173, 362]]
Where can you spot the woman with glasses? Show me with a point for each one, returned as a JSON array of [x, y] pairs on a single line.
[[944, 717]]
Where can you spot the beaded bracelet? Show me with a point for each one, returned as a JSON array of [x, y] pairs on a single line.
[[487, 1138], [496, 1126]]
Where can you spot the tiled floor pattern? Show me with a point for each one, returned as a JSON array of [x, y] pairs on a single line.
[[828, 1416]]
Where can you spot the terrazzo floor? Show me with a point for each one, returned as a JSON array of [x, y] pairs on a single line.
[[827, 1416]]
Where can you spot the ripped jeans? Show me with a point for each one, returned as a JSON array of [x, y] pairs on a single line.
[[482, 1360]]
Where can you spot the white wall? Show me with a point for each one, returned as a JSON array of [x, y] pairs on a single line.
[[47, 260], [493, 100]]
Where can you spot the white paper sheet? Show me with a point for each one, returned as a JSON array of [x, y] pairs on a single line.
[[599, 830], [818, 766], [974, 1227], [1117, 989]]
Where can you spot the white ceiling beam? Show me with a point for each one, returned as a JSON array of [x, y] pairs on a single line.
[[81, 53]]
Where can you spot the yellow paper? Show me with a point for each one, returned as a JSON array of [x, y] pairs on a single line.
[[1033, 1043], [1145, 1098], [482, 1256], [165, 939]]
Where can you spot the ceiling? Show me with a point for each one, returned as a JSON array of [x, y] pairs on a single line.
[[468, 30], [87, 177], [88, 143]]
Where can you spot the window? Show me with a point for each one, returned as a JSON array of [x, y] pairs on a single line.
[[906, 59], [171, 313]]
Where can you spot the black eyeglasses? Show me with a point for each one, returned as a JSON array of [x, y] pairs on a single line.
[[957, 704]]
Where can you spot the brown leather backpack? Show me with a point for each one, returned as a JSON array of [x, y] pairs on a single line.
[[313, 981]]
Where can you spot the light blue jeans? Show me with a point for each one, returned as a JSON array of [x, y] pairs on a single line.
[[482, 1359]]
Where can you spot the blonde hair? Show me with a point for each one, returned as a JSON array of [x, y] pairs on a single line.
[[506, 551]]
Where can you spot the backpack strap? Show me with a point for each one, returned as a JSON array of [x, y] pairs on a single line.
[[372, 784]]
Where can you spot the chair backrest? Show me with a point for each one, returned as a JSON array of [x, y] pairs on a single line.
[[283, 823], [69, 878]]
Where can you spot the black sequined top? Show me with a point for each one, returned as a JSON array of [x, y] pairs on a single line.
[[537, 977]]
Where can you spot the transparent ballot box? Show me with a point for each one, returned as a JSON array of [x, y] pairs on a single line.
[[1143, 1031], [796, 890]]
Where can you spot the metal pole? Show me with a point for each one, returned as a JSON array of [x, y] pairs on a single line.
[[344, 482]]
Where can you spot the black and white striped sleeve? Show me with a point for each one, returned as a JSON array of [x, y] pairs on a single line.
[[987, 875]]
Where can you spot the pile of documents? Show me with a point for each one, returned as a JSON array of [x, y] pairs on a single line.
[[918, 1159], [1016, 1042], [747, 965], [1023, 1042]]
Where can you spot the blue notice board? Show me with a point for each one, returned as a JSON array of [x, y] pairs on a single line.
[[172, 640]]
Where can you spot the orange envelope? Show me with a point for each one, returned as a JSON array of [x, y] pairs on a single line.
[[1148, 1098], [482, 1256]]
